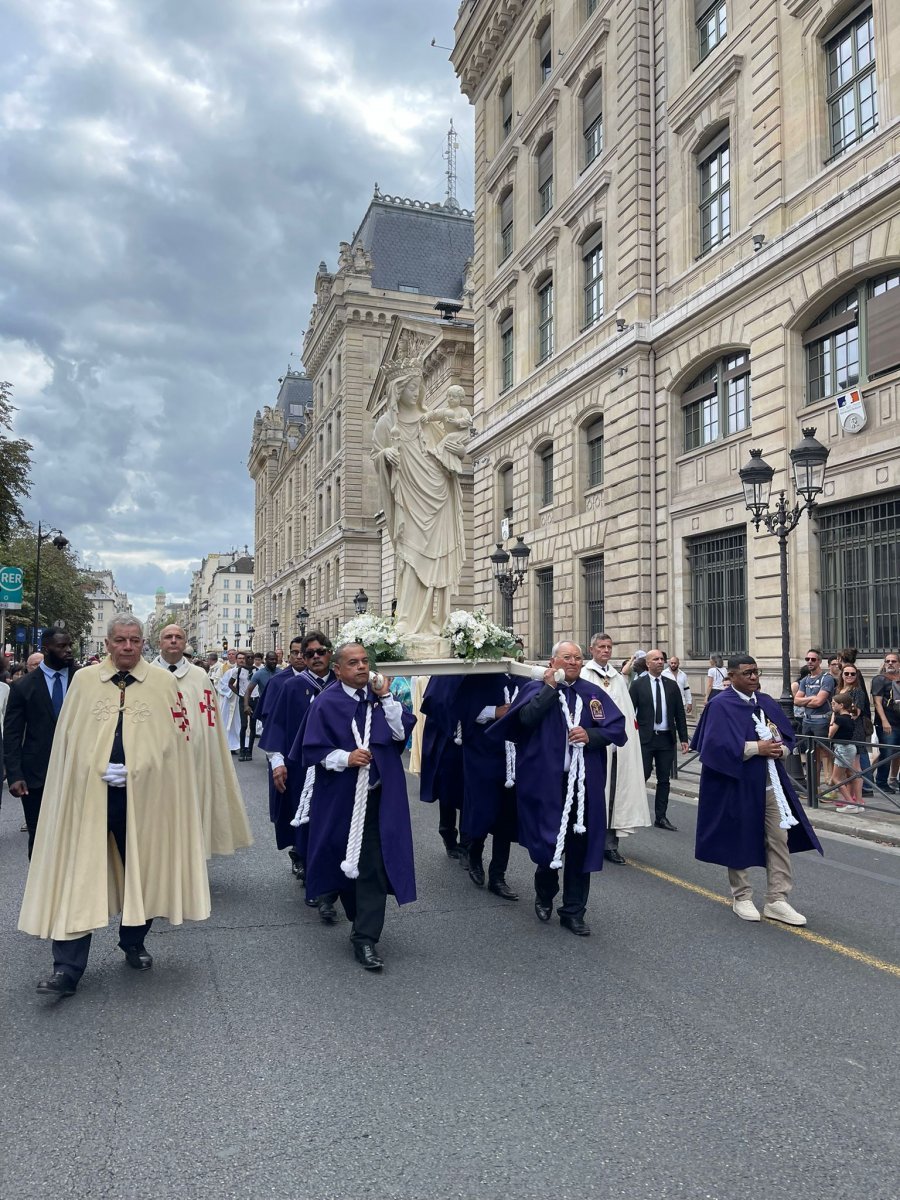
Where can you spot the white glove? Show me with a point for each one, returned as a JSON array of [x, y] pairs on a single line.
[[115, 775]]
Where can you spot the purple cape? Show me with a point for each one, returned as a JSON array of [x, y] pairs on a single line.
[[441, 774], [484, 759], [539, 771], [328, 728], [282, 723], [731, 812]]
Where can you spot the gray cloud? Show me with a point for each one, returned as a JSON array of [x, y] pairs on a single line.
[[171, 175]]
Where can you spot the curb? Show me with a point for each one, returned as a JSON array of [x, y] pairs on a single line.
[[869, 829]]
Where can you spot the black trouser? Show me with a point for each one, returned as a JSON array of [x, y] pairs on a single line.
[[447, 813], [31, 807], [242, 736], [576, 881], [365, 899], [500, 848], [661, 754], [71, 957], [612, 838]]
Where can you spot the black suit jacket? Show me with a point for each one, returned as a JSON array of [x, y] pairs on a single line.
[[642, 698], [28, 729]]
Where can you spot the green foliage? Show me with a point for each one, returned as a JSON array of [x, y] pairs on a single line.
[[62, 587], [15, 469]]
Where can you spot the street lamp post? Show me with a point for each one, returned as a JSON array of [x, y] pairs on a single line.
[[60, 543], [274, 628], [250, 633], [302, 618], [808, 460], [360, 602], [510, 578]]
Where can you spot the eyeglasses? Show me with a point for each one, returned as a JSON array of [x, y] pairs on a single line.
[[314, 653], [750, 672]]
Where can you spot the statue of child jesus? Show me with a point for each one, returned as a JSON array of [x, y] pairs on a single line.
[[457, 424]]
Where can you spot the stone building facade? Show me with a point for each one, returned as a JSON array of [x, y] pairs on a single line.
[[687, 243], [219, 609], [318, 533], [105, 600]]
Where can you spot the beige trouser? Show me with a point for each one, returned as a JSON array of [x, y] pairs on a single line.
[[778, 861]]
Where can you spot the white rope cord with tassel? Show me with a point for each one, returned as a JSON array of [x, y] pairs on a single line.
[[575, 783], [301, 816], [350, 865], [784, 809], [457, 733], [510, 747]]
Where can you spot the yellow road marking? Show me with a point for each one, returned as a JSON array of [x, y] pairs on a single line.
[[860, 956]]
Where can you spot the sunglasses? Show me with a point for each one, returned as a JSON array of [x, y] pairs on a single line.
[[853, 673], [314, 653], [812, 658]]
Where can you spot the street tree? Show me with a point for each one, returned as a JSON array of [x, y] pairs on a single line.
[[62, 587], [15, 468]]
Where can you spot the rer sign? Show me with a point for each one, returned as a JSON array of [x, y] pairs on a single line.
[[10, 587]]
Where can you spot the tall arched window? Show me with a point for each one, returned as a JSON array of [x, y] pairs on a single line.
[[592, 121], [505, 219], [545, 177]]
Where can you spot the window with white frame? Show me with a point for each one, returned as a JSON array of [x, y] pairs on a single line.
[[545, 319], [545, 178], [544, 52], [592, 269], [592, 121], [717, 402], [711, 21], [545, 474], [714, 172], [506, 110], [505, 216], [855, 338], [593, 436], [507, 348], [851, 82]]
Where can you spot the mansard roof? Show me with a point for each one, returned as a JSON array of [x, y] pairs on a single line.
[[417, 246]]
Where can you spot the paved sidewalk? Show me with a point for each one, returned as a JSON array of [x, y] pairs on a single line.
[[873, 826]]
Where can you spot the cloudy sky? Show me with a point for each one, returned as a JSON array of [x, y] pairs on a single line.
[[171, 174]]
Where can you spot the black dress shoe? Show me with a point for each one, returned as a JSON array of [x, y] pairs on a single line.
[[311, 902], [476, 871], [366, 956], [298, 867], [542, 911], [501, 888], [327, 912], [138, 958], [611, 854], [452, 849], [574, 925], [665, 823], [59, 984]]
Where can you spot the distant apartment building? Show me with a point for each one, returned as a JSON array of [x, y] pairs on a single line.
[[105, 600], [220, 605]]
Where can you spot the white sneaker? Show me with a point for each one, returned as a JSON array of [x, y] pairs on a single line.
[[780, 910], [745, 909], [847, 808]]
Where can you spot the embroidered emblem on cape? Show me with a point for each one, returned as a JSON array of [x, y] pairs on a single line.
[[103, 710], [209, 708], [180, 718], [597, 710], [138, 713]]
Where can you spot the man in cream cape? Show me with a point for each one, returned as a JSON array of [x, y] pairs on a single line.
[[225, 825], [626, 792], [121, 765]]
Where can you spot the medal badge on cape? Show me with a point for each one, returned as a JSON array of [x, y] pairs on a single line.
[[596, 710]]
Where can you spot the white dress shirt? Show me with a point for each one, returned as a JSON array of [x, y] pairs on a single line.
[[337, 760]]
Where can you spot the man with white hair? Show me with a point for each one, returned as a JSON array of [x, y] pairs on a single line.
[[225, 825], [121, 765]]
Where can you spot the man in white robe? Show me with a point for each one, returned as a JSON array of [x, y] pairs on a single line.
[[232, 687], [225, 825], [627, 808]]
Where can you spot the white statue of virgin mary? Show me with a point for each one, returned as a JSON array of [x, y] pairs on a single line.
[[422, 501]]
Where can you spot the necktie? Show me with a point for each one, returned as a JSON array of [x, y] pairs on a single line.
[[57, 697], [658, 711], [172, 667], [122, 679]]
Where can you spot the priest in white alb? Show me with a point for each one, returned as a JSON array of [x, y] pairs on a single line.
[[626, 792], [232, 687]]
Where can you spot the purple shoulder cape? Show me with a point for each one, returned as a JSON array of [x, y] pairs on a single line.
[[327, 728], [731, 810]]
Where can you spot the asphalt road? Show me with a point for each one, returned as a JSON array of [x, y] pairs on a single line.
[[678, 1052]]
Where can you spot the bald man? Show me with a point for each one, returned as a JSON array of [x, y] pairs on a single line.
[[225, 825]]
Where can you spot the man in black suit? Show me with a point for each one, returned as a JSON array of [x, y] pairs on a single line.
[[659, 711], [31, 713]]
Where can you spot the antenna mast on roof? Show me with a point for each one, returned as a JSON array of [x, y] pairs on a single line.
[[450, 155]]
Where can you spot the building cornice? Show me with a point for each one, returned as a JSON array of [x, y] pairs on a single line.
[[701, 90], [480, 36], [590, 188], [591, 40]]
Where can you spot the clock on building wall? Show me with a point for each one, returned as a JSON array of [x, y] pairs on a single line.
[[851, 411]]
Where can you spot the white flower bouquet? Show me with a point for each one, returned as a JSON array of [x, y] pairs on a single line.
[[377, 634], [473, 636]]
